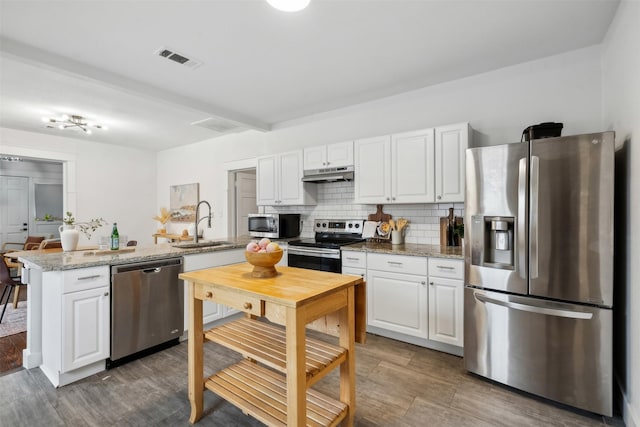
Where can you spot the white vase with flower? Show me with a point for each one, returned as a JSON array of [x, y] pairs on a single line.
[[70, 231]]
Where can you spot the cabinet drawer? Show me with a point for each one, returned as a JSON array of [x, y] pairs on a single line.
[[247, 304], [85, 278], [397, 263], [354, 259], [446, 267]]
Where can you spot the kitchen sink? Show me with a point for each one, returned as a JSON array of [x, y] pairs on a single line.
[[201, 244]]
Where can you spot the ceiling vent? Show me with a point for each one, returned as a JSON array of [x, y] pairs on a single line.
[[219, 125], [178, 58]]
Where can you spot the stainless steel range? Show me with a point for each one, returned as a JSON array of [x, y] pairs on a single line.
[[323, 251]]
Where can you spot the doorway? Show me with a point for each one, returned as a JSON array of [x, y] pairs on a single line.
[[242, 190], [14, 209]]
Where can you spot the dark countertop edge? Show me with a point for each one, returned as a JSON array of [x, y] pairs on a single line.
[[410, 249]]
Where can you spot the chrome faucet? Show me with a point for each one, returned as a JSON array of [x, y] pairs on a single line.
[[198, 220]]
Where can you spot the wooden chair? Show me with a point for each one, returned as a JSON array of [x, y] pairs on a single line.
[[32, 242], [9, 284], [50, 244]]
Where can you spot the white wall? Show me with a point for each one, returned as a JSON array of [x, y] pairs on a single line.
[[621, 110], [499, 105], [112, 182]]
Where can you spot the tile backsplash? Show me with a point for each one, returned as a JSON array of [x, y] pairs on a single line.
[[335, 201]]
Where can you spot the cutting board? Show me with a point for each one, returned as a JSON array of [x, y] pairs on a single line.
[[379, 215]]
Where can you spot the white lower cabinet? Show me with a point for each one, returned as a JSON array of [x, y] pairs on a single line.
[[412, 298], [397, 302], [85, 327], [75, 323], [210, 311], [397, 293], [446, 304]]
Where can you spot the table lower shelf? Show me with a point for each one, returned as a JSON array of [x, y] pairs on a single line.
[[262, 393], [266, 343]]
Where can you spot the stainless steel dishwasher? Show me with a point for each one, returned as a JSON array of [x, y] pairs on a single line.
[[147, 309]]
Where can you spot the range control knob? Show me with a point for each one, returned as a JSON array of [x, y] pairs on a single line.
[[350, 225], [357, 225], [324, 225], [317, 224]]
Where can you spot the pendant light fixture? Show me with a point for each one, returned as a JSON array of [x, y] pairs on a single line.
[[73, 122], [289, 5]]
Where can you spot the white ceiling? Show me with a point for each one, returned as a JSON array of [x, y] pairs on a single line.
[[261, 67]]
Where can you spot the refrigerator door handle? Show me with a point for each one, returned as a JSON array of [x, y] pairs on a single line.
[[535, 309], [533, 220], [522, 215]]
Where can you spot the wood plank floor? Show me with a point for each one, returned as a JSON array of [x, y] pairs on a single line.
[[398, 384]]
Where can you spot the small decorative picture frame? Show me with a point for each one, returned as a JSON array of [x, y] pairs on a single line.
[[183, 200]]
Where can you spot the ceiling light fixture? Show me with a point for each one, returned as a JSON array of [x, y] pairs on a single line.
[[10, 159], [289, 5], [73, 122]]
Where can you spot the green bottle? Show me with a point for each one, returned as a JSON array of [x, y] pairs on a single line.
[[115, 238]]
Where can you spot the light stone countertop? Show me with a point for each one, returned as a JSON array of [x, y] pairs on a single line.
[[412, 249], [82, 259]]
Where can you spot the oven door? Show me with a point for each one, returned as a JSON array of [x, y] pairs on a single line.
[[314, 258]]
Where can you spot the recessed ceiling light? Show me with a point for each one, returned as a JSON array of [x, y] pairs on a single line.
[[289, 5]]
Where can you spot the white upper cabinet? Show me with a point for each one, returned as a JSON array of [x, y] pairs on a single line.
[[279, 181], [451, 144], [372, 163], [329, 156], [412, 178], [423, 166]]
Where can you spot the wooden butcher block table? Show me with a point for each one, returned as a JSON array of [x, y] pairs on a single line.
[[273, 382]]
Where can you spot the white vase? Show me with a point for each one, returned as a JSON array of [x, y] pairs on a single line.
[[69, 237]]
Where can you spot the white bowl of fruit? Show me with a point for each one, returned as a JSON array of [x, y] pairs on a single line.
[[263, 255]]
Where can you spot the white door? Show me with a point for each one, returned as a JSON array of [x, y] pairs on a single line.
[[14, 209], [397, 302], [245, 191], [412, 171], [372, 165], [85, 328], [451, 143], [445, 310]]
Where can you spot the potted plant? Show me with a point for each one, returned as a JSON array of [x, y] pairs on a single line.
[[70, 230], [163, 218]]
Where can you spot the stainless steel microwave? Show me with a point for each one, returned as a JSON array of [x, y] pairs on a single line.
[[274, 226]]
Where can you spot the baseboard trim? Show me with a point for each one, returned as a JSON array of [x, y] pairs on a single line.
[[629, 416]]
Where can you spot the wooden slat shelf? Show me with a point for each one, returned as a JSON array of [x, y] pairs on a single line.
[[266, 343], [262, 393]]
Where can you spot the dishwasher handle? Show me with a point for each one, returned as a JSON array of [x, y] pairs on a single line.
[[146, 267]]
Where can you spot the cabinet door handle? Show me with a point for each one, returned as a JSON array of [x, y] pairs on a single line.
[[95, 276], [431, 283], [444, 267], [247, 305], [208, 294], [424, 283], [394, 262], [393, 198], [106, 294], [439, 197], [351, 258]]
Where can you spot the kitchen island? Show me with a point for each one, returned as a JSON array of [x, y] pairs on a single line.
[[69, 297], [279, 395]]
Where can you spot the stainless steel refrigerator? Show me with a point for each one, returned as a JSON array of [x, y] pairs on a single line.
[[539, 267]]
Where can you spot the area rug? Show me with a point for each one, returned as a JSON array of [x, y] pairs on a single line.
[[14, 321]]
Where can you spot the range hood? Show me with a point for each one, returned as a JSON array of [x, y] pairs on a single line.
[[344, 173]]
